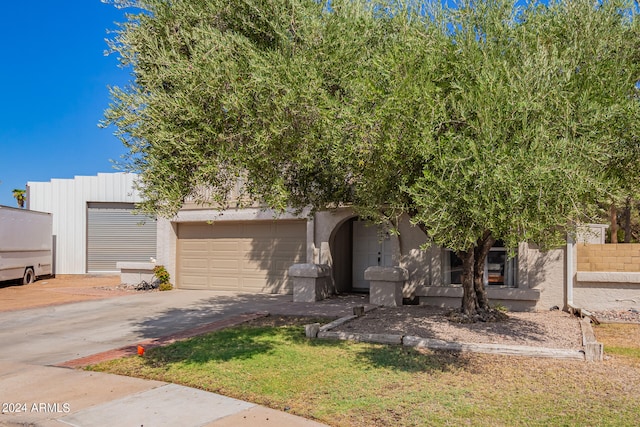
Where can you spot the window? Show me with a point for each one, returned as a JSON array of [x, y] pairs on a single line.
[[499, 269]]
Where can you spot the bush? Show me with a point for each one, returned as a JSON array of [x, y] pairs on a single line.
[[165, 286], [163, 277]]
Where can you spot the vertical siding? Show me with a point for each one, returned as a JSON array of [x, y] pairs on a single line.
[[67, 200]]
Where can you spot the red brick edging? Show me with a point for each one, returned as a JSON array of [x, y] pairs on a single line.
[[131, 350]]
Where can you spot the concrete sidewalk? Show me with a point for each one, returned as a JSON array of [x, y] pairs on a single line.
[[46, 396]]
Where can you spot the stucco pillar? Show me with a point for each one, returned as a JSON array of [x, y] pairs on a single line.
[[166, 246], [385, 285], [311, 282]]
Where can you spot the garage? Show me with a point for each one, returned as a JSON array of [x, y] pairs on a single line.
[[243, 256], [115, 233]]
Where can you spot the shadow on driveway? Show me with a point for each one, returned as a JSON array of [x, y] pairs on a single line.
[[220, 307]]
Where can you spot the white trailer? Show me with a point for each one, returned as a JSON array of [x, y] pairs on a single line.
[[26, 241]]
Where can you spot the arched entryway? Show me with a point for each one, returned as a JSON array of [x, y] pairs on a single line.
[[355, 245]]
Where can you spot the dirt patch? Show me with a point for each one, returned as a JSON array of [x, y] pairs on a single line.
[[550, 329], [60, 290]]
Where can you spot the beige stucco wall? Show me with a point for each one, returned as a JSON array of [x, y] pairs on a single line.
[[325, 223], [407, 252], [166, 241], [599, 296], [420, 263], [540, 283], [541, 275], [544, 271]]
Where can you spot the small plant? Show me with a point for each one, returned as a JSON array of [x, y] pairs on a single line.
[[499, 307], [163, 277], [165, 286]]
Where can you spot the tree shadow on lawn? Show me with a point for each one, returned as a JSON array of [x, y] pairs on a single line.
[[236, 343], [251, 341], [412, 360]]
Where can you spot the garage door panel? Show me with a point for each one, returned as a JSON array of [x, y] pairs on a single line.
[[225, 249], [194, 231], [224, 283], [196, 264], [241, 256], [195, 246], [225, 231], [256, 285], [267, 252], [272, 264], [193, 282], [257, 230], [223, 273], [229, 264]]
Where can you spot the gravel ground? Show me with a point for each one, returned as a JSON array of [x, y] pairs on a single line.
[[550, 329], [622, 316]]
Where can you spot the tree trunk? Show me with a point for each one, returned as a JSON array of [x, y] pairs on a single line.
[[627, 221], [481, 251], [469, 299], [613, 215]]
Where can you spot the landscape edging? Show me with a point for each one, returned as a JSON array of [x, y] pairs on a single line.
[[435, 344]]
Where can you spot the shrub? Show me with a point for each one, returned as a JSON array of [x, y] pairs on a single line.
[[165, 286], [163, 277]]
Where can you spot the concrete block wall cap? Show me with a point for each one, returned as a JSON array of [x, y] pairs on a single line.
[[132, 265], [309, 270], [608, 277], [386, 274]]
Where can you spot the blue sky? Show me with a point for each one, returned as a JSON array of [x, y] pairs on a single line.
[[54, 78]]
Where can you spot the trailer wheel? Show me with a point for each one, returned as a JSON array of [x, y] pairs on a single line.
[[29, 276]]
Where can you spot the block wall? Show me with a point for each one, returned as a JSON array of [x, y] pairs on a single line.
[[609, 257]]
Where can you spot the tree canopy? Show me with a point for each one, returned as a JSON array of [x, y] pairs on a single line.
[[481, 121]]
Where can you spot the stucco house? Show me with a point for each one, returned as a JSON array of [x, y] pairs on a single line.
[[253, 250]]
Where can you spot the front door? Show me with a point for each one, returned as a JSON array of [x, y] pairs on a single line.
[[370, 248]]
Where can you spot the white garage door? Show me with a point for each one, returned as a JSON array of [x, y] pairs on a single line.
[[249, 256]]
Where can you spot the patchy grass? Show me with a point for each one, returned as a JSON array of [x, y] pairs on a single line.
[[620, 340], [358, 384]]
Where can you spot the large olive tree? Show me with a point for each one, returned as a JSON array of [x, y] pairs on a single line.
[[481, 121]]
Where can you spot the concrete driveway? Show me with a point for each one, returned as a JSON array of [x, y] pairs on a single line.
[[35, 339]]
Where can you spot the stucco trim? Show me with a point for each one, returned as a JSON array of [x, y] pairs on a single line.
[[608, 277], [492, 293], [245, 214]]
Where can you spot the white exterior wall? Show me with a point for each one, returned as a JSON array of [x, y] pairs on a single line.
[[67, 200]]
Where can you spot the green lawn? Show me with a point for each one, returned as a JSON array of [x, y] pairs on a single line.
[[357, 384]]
